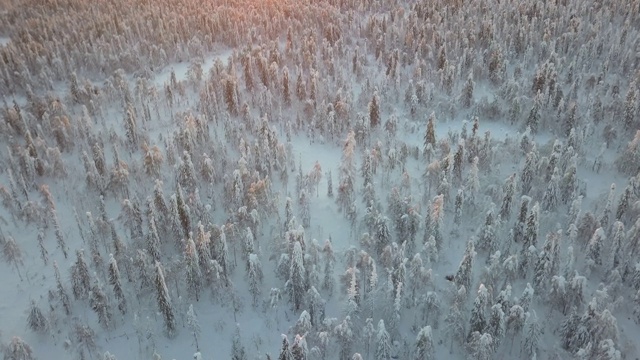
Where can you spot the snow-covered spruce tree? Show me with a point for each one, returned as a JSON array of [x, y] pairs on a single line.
[[305, 215], [455, 320], [532, 334], [344, 333], [487, 234], [12, 254], [254, 274], [425, 347], [346, 186], [437, 216], [636, 307], [152, 239], [36, 320], [628, 162], [237, 349], [594, 249], [383, 340], [46, 194], [18, 349], [184, 213], [478, 321], [192, 268], [164, 301], [630, 107], [80, 279], [508, 190], [463, 274], [515, 321], [62, 293], [187, 172], [100, 304], [115, 282], [152, 160], [296, 282], [496, 324], [623, 204], [299, 350], [466, 97], [285, 351], [529, 238], [551, 196], [194, 326], [374, 111], [458, 207], [481, 346]]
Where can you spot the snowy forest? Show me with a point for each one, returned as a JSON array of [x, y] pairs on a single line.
[[319, 179]]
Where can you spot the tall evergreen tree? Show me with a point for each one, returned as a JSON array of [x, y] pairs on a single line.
[[164, 301]]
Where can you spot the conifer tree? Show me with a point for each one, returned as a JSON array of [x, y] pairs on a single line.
[[80, 279], [36, 320], [374, 111], [425, 347], [254, 274], [237, 349], [296, 282], [100, 304], [62, 294], [430, 134], [164, 300], [463, 275], [194, 326], [114, 280], [193, 270], [18, 349], [532, 334], [383, 340]]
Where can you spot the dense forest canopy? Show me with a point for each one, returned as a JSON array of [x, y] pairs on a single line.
[[262, 179]]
